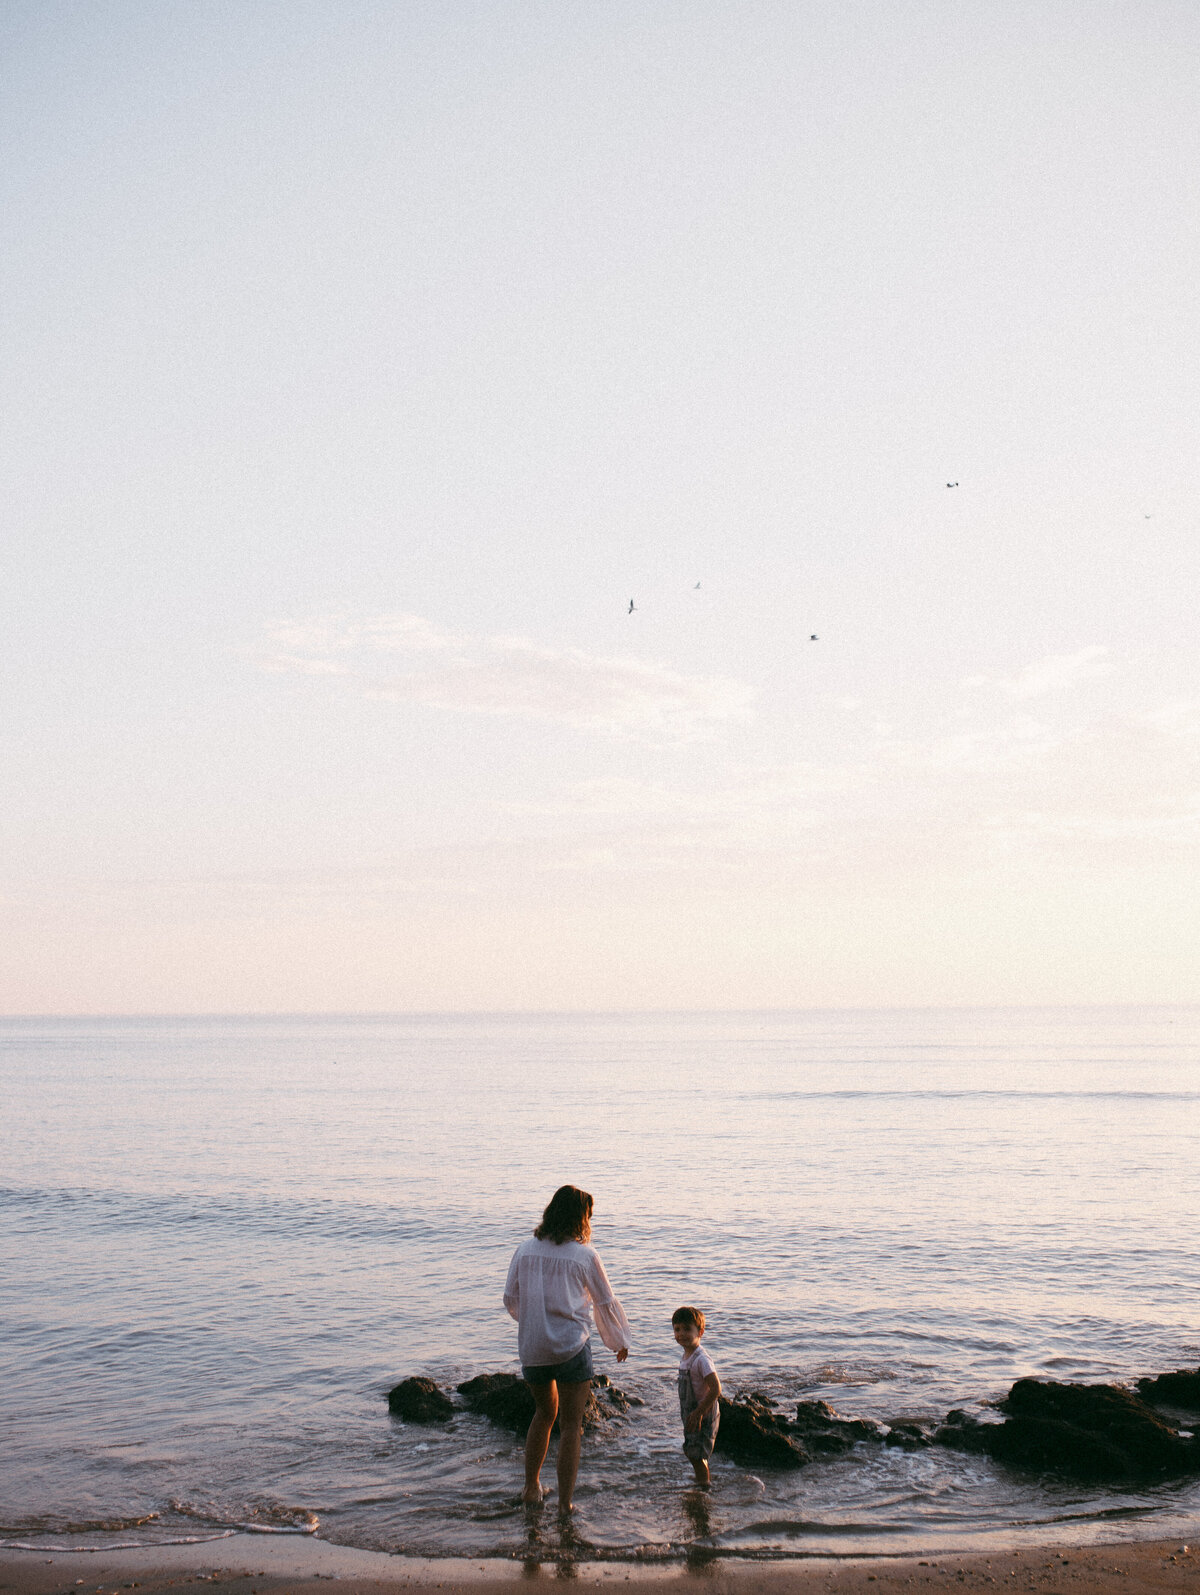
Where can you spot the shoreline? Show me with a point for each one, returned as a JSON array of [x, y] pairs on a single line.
[[253, 1564]]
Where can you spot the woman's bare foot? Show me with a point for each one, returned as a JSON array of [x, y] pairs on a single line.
[[533, 1496]]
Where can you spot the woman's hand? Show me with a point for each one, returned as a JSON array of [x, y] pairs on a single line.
[[623, 1353]]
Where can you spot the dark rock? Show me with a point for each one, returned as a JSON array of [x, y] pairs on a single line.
[[820, 1428], [502, 1397], [608, 1400], [1054, 1446], [753, 1430], [908, 1436], [1089, 1432], [1116, 1416], [508, 1401], [961, 1431], [1178, 1389], [419, 1401], [750, 1432]]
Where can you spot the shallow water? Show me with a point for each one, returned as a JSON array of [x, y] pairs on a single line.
[[221, 1242]]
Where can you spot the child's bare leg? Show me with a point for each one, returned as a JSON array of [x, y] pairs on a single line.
[[570, 1439], [537, 1439]]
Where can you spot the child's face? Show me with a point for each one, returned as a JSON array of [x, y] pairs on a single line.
[[687, 1336]]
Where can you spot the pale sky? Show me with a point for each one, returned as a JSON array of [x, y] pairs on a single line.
[[362, 361]]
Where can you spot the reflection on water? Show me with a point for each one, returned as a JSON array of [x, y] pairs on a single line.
[[697, 1509], [236, 1235]]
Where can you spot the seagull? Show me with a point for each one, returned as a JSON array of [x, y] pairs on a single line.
[[631, 606], [951, 484], [814, 637], [696, 588]]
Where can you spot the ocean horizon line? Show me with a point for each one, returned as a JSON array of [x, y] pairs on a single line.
[[395, 1014]]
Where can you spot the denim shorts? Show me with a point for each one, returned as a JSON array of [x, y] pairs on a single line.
[[698, 1446], [577, 1371]]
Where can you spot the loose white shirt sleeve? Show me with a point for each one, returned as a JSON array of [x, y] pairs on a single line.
[[552, 1292]]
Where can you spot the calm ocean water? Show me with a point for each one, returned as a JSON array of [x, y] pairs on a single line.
[[222, 1241]]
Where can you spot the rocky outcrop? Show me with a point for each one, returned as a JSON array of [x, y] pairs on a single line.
[[419, 1401], [502, 1397], [1092, 1433], [906, 1435], [1178, 1389], [818, 1426], [751, 1431], [507, 1400], [1095, 1433]]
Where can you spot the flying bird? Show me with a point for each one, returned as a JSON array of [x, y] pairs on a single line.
[[814, 638], [951, 484], [696, 588], [631, 606]]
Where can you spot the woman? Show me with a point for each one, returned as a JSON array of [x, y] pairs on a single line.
[[551, 1281]]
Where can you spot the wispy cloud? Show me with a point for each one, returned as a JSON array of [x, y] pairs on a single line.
[[1047, 675], [1014, 778], [1117, 799], [1079, 796], [407, 659]]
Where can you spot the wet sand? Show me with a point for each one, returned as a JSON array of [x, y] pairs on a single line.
[[258, 1565]]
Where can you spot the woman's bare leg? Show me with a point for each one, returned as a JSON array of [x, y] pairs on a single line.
[[537, 1440], [570, 1437]]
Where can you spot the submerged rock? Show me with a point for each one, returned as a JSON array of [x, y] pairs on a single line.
[[908, 1436], [1178, 1389], [610, 1401], [749, 1431], [419, 1401], [1089, 1432]]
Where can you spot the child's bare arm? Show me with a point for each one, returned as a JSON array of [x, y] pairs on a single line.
[[712, 1393]]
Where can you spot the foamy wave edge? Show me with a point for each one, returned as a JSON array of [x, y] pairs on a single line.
[[149, 1545]]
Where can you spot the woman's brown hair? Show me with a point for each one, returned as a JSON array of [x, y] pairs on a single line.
[[568, 1216]]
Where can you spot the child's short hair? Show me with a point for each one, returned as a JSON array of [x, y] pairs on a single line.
[[688, 1315]]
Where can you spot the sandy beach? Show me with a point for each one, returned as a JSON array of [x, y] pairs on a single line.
[[258, 1565]]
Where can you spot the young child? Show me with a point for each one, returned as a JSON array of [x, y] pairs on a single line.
[[699, 1390]]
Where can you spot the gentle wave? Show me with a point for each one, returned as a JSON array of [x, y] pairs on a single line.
[[118, 1525], [1102, 1514], [271, 1216], [792, 1528], [122, 1545], [53, 1537]]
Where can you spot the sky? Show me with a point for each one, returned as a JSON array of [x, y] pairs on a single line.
[[363, 362]]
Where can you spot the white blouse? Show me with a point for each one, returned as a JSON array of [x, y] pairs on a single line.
[[548, 1291]]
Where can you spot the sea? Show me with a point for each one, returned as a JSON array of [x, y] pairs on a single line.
[[223, 1240]]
